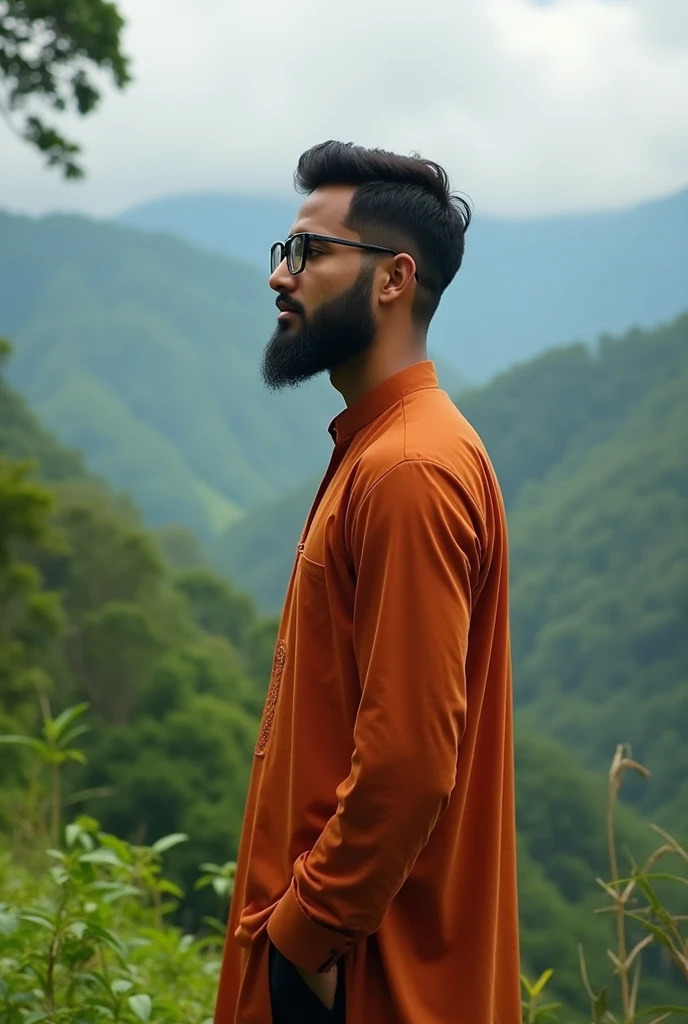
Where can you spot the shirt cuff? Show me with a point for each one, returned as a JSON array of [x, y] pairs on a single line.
[[310, 946]]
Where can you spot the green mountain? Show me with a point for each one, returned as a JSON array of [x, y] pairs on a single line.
[[591, 447], [526, 284], [174, 665], [144, 352]]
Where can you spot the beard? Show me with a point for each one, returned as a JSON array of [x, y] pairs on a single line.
[[337, 331]]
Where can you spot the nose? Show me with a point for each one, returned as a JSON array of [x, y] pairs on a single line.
[[281, 280]]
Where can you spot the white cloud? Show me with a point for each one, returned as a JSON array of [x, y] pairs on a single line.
[[532, 109]]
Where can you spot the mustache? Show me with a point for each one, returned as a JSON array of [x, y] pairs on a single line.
[[288, 305]]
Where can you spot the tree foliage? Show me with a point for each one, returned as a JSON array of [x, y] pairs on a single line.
[[93, 612], [31, 616], [54, 53]]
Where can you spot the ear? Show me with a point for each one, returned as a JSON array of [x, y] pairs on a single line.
[[398, 279]]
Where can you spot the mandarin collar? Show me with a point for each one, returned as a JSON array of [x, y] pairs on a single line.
[[374, 403]]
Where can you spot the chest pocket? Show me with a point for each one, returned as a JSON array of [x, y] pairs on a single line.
[[313, 550], [316, 570]]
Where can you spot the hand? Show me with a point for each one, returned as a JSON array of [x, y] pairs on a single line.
[[323, 984]]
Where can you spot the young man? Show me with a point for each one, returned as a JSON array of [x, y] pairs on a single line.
[[376, 878]]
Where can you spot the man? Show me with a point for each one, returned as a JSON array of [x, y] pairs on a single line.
[[376, 878]]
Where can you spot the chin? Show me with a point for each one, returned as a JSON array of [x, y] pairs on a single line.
[[285, 328]]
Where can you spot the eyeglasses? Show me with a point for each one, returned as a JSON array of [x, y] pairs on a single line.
[[296, 249]]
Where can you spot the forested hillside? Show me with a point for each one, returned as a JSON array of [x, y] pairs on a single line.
[[591, 448], [174, 663], [600, 597], [143, 352]]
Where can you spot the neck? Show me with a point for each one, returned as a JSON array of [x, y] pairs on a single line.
[[383, 359]]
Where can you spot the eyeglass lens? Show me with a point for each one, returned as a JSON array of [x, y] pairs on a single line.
[[295, 251], [296, 254], [276, 256]]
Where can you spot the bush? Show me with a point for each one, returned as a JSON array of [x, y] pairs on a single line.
[[83, 935]]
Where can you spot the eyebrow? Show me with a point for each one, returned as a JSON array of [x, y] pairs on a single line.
[[307, 231]]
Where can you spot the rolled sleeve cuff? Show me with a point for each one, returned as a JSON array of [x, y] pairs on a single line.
[[310, 946]]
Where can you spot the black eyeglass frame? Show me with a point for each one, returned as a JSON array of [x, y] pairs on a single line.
[[284, 249]]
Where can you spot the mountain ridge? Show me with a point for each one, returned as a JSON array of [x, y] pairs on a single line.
[[526, 284]]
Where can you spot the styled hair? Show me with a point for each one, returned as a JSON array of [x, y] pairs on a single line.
[[403, 202]]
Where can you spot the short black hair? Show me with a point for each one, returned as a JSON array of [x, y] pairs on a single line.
[[404, 202]]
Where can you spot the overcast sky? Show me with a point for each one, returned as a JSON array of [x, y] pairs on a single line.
[[534, 106]]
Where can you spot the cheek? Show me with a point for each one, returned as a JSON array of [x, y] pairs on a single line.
[[311, 294], [326, 281]]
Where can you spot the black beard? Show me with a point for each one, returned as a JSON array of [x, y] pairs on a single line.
[[340, 329]]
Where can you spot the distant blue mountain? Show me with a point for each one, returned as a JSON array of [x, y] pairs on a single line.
[[243, 227], [525, 284]]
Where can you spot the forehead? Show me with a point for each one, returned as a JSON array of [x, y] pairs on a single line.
[[324, 212]]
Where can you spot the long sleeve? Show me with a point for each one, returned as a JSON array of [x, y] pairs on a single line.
[[416, 541]]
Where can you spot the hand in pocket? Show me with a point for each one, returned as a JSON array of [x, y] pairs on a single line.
[[293, 999], [324, 986]]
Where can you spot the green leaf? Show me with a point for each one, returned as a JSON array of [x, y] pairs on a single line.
[[102, 856], [653, 929], [107, 937], [661, 876], [171, 888], [141, 1005], [103, 886], [654, 1010], [78, 730], [99, 979], [37, 919], [541, 983], [113, 843], [59, 725], [8, 923], [72, 833], [167, 842], [649, 893], [121, 985], [35, 1017], [665, 877], [87, 823], [78, 928], [120, 891], [25, 741], [56, 854], [76, 755]]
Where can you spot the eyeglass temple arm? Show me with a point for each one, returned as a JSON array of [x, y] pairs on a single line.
[[358, 245]]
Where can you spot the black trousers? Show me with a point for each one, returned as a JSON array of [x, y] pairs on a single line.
[[292, 1000]]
